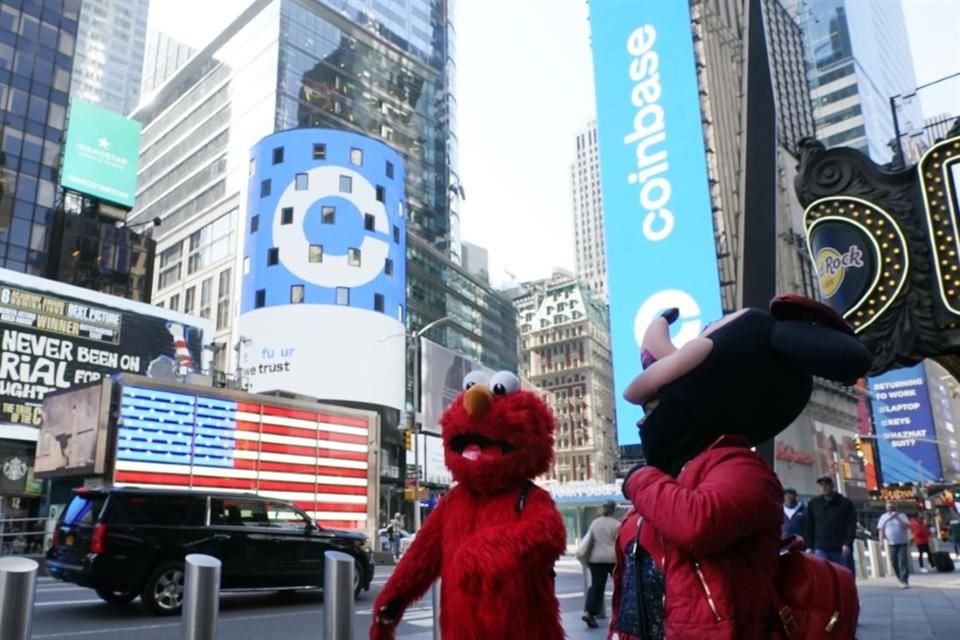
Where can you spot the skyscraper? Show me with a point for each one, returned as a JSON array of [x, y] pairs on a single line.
[[858, 57], [588, 213], [162, 58], [37, 41], [110, 46]]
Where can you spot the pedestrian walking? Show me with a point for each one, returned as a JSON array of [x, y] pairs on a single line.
[[955, 536], [831, 525], [794, 514], [395, 534], [598, 552], [894, 529], [921, 538]]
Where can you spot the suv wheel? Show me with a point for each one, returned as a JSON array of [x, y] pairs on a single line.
[[357, 582], [116, 597], [163, 592]]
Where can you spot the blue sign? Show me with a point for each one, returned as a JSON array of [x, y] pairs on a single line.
[[903, 423], [658, 221]]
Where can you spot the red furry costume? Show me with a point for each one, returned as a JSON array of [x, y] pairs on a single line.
[[494, 538]]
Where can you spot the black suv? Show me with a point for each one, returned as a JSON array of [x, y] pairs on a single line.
[[128, 542]]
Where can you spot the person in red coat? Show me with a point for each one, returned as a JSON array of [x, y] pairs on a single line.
[[494, 537], [708, 509]]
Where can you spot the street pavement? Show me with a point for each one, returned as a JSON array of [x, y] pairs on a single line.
[[929, 610]]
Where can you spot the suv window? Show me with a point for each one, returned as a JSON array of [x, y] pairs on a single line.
[[157, 510], [286, 515], [238, 512], [83, 509]]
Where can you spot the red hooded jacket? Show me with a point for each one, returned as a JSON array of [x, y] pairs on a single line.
[[715, 532]]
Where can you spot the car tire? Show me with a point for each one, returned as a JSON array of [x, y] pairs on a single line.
[[163, 591], [357, 579], [116, 597]]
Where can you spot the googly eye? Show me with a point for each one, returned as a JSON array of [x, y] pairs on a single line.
[[504, 383], [474, 377]]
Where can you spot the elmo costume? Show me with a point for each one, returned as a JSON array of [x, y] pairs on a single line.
[[494, 538], [705, 530]]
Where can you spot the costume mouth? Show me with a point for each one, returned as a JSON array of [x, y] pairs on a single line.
[[475, 447]]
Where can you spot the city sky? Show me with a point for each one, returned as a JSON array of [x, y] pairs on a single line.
[[524, 88]]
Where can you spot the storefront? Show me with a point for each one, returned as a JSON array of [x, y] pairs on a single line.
[[20, 497]]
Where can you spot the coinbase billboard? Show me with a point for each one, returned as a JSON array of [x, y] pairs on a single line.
[[657, 217]]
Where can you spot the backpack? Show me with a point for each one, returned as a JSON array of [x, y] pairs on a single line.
[[815, 598]]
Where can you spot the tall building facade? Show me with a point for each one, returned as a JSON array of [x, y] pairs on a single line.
[[589, 247], [110, 47], [162, 57], [565, 351], [37, 42], [858, 56], [286, 64], [476, 261]]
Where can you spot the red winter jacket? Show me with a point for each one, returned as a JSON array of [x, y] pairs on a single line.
[[715, 532]]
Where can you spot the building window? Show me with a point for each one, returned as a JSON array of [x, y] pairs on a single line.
[[246, 265], [400, 312], [174, 302], [277, 155], [396, 234], [388, 267], [315, 253], [319, 152], [356, 157], [253, 166], [328, 215], [296, 294], [265, 188], [343, 295], [206, 296], [260, 298], [170, 275], [255, 223], [369, 222], [346, 184], [381, 194], [273, 256], [378, 302], [389, 169], [400, 208], [286, 215], [302, 182], [224, 285], [189, 297], [353, 257]]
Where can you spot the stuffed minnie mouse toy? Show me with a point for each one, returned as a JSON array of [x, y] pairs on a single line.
[[707, 509]]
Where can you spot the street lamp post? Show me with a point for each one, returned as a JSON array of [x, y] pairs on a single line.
[[416, 416]]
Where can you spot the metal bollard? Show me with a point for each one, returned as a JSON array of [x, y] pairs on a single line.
[[873, 549], [435, 601], [18, 586], [860, 559], [338, 595], [201, 597]]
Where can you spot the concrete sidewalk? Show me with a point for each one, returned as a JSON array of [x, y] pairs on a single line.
[[928, 610]]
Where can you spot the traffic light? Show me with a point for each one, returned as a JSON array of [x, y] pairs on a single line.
[[408, 439], [858, 445]]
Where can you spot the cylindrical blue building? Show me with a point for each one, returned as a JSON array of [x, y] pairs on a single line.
[[324, 279]]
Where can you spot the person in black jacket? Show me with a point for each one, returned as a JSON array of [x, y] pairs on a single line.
[[831, 525], [794, 515]]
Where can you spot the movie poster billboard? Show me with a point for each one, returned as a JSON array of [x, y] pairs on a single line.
[[54, 336], [836, 456], [903, 423], [73, 434]]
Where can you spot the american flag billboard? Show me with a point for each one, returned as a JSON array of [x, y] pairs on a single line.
[[316, 459]]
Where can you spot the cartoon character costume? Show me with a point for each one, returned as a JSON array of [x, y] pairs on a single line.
[[708, 510], [494, 538]]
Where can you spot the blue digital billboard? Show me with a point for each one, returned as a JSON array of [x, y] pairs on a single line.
[[658, 222], [903, 424]]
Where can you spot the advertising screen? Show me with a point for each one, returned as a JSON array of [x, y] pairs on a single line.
[[903, 423], [442, 371], [101, 154], [658, 222], [318, 459], [72, 438], [53, 336]]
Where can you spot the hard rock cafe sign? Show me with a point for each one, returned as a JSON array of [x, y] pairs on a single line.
[[885, 243]]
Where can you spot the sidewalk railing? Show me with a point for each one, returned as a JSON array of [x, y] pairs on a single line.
[[22, 536]]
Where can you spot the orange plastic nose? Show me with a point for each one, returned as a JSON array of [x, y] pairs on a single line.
[[477, 399]]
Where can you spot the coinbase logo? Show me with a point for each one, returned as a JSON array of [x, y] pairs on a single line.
[[333, 270]]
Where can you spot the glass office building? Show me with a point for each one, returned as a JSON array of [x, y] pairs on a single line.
[[37, 43], [858, 57]]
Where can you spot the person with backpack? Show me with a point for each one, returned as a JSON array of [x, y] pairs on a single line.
[[709, 509], [894, 529]]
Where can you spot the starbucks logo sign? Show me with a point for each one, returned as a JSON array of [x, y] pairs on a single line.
[[14, 469]]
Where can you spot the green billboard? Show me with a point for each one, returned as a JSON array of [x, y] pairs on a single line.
[[101, 154]]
